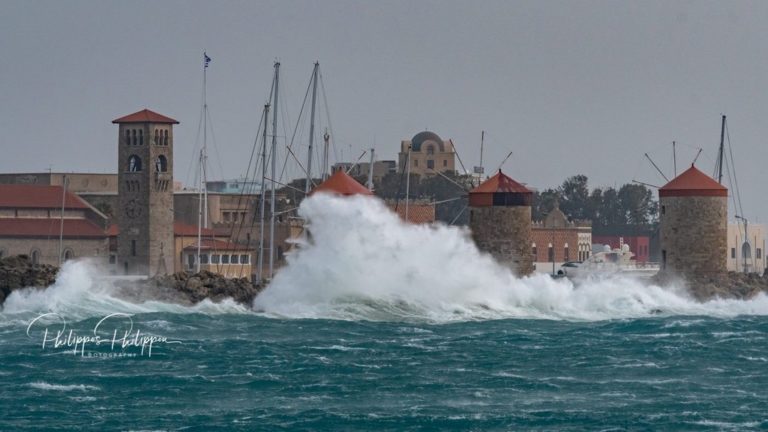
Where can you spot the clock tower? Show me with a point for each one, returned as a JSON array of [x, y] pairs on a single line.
[[145, 193]]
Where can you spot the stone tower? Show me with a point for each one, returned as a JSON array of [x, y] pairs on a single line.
[[500, 220], [145, 193], [693, 225]]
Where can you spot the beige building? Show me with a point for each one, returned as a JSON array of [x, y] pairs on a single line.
[[49, 224], [556, 240], [746, 253], [76, 182], [429, 154]]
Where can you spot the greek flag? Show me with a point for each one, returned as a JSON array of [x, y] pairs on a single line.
[[206, 59]]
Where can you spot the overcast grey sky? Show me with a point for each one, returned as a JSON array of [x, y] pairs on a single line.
[[570, 87]]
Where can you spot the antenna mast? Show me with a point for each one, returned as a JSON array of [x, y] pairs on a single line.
[[274, 169]]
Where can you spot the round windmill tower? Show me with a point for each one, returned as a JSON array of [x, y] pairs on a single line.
[[693, 218], [500, 220]]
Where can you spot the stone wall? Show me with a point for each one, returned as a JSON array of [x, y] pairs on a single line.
[[694, 235], [48, 248], [505, 233]]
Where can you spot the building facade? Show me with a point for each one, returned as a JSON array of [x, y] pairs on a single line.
[[428, 154], [49, 224], [746, 247], [638, 245], [556, 240]]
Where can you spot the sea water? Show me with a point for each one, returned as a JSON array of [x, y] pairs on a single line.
[[377, 325]]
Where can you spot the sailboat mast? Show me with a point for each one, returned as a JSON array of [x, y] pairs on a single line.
[[61, 220], [326, 139], [370, 170], [311, 128], [407, 182], [202, 196], [262, 195], [274, 169], [720, 153]]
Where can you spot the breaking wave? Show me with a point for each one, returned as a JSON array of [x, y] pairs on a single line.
[[362, 262]]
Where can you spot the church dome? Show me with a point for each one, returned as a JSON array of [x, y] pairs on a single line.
[[422, 137]]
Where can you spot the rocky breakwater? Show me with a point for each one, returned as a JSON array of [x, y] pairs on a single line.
[[196, 287], [18, 272], [731, 285]]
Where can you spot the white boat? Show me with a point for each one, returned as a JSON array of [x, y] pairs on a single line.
[[607, 263]]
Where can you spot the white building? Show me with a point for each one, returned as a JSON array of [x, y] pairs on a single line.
[[746, 253]]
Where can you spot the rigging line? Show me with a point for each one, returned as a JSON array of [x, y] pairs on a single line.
[[245, 182], [197, 143], [458, 215], [295, 129], [449, 179], [733, 165], [328, 116], [459, 158]]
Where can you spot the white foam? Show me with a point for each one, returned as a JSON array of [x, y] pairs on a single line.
[[83, 290], [363, 262], [41, 385]]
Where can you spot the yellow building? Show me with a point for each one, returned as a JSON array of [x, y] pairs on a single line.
[[429, 154], [746, 253]]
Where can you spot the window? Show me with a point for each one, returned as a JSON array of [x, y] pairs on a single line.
[[663, 209], [157, 136], [566, 255], [203, 258], [112, 259], [133, 247], [733, 253], [758, 253], [165, 137], [191, 261], [227, 216], [445, 162], [551, 253], [225, 259], [415, 162], [35, 256], [141, 137], [533, 251], [127, 137], [431, 164], [68, 254], [233, 259], [246, 259], [663, 259], [161, 164], [215, 259], [133, 136], [134, 163], [430, 150]]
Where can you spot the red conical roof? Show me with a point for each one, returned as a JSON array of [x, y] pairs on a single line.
[[145, 116], [342, 184], [500, 183], [693, 182]]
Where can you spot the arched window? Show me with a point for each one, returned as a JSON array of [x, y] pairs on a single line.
[[141, 137], [165, 137], [566, 254], [551, 253], [34, 255], [134, 163], [533, 251], [127, 137], [157, 136], [430, 149], [133, 136], [68, 254], [161, 164]]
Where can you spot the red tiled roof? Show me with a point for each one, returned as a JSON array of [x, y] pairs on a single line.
[[342, 184], [218, 245], [180, 229], [40, 197], [693, 182], [145, 116], [500, 183], [417, 213], [29, 227]]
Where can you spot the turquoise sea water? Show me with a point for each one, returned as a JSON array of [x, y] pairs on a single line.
[[249, 372], [377, 325]]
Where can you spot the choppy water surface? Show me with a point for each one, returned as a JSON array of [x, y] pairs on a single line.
[[381, 326]]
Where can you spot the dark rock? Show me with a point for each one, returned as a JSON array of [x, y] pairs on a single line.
[[196, 287], [17, 272]]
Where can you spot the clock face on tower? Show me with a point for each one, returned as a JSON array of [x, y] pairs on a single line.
[[132, 209]]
